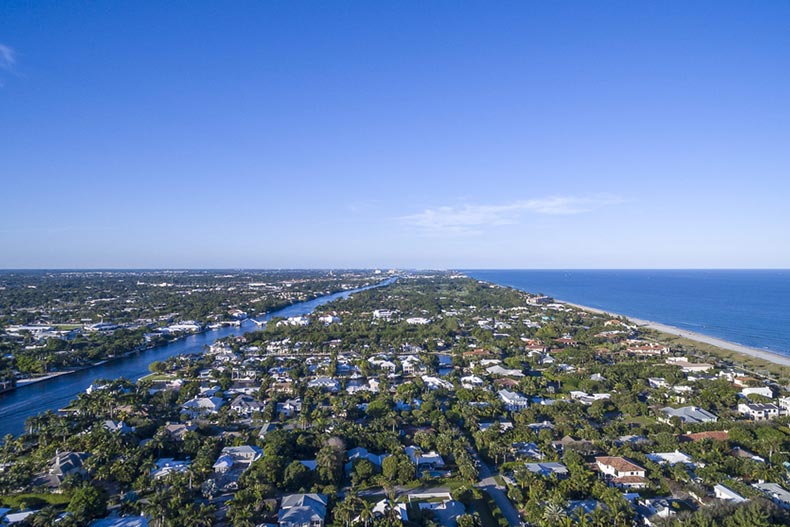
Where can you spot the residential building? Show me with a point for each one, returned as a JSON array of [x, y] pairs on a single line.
[[302, 510], [514, 401], [548, 469], [760, 411], [689, 414], [622, 472]]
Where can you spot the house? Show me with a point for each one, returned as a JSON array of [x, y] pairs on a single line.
[[653, 511], [117, 427], [527, 449], [688, 367], [165, 466], [246, 405], [503, 372], [361, 453], [670, 458], [202, 406], [657, 382], [445, 512], [765, 391], [760, 411], [325, 384], [434, 383], [548, 469], [289, 408], [514, 401], [64, 464], [232, 462], [543, 425], [302, 510], [775, 493], [641, 347], [688, 414], [266, 428], [17, 517], [420, 459], [471, 381], [177, 431], [586, 398], [727, 494], [383, 314], [411, 365], [622, 472], [328, 319], [381, 509], [745, 454]]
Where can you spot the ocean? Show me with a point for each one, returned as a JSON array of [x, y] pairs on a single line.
[[749, 307]]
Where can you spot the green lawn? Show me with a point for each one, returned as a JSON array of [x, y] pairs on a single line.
[[33, 500]]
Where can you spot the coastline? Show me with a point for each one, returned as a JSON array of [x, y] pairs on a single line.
[[769, 356]]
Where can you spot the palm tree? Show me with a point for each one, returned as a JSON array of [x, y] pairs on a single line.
[[553, 515], [46, 517], [366, 514]]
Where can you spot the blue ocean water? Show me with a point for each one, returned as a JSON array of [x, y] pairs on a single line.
[[749, 307]]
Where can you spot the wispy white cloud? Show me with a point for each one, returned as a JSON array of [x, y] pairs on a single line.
[[7, 57], [474, 218]]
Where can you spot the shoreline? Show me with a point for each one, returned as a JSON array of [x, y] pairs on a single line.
[[770, 356]]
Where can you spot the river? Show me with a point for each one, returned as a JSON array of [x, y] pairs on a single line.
[[51, 394]]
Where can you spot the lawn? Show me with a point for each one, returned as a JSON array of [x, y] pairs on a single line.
[[33, 500]]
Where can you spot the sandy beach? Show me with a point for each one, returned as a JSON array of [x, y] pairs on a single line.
[[776, 358]]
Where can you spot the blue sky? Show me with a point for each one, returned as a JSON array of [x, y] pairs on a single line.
[[363, 134]]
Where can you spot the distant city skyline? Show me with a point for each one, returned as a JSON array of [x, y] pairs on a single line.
[[566, 135]]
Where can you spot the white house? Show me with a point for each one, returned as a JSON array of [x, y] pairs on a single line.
[[514, 401], [420, 458], [727, 494], [622, 472], [760, 411], [202, 406], [765, 391], [246, 405], [324, 383], [670, 458]]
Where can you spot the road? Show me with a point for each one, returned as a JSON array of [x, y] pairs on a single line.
[[497, 492]]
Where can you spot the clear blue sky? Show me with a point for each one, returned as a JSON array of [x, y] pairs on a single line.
[[426, 134]]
